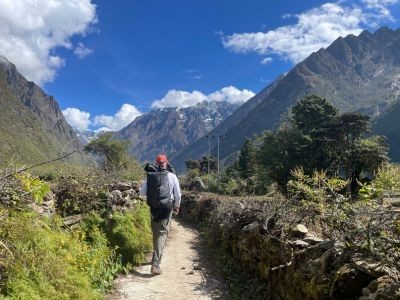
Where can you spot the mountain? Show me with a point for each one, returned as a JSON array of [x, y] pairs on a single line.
[[200, 146], [33, 128], [387, 124], [86, 136], [168, 130], [355, 73]]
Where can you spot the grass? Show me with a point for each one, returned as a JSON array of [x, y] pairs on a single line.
[[40, 259]]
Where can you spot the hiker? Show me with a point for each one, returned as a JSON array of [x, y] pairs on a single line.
[[164, 197]]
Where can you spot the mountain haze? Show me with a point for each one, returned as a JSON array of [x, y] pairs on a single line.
[[355, 73], [167, 130], [33, 127]]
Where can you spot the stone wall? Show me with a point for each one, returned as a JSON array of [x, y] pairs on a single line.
[[282, 251]]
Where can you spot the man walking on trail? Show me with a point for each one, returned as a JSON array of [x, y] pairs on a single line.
[[163, 196]]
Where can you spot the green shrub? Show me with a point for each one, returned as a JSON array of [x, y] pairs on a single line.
[[130, 233], [386, 182], [44, 262], [34, 186]]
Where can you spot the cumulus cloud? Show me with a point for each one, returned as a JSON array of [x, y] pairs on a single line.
[[181, 99], [77, 118], [31, 30], [81, 51], [125, 115], [315, 29]]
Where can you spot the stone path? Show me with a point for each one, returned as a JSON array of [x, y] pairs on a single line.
[[187, 273]]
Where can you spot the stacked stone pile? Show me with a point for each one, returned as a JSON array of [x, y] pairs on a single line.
[[123, 195]]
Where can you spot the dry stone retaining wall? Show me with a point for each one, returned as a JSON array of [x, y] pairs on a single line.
[[293, 262]]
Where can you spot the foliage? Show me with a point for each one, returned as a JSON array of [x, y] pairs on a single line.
[[36, 187], [388, 179], [114, 158], [317, 138], [201, 165], [312, 115], [81, 191], [129, 232], [247, 163], [193, 173], [44, 261], [366, 227], [386, 182]]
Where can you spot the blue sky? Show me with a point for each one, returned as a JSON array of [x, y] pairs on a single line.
[[106, 62]]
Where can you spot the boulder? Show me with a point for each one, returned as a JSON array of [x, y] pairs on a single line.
[[299, 244], [299, 229], [312, 239]]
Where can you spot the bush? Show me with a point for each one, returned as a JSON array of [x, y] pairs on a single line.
[[34, 186], [80, 191], [44, 261], [128, 232]]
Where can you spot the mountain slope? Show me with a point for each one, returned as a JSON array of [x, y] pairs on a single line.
[[200, 146], [354, 73], [32, 126], [169, 129], [387, 124]]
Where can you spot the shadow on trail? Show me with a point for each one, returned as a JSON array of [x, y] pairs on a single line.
[[142, 275]]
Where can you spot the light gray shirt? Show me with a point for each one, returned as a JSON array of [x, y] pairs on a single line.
[[174, 189]]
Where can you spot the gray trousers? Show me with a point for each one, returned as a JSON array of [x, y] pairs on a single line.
[[160, 232]]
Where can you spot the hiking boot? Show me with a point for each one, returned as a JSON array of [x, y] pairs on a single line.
[[155, 270]]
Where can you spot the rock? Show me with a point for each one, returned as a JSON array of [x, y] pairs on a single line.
[[116, 195], [300, 229], [122, 186], [130, 193], [366, 292], [49, 197], [136, 186], [299, 243], [392, 201], [349, 283], [37, 208], [196, 184], [250, 227], [369, 266], [312, 239], [384, 288]]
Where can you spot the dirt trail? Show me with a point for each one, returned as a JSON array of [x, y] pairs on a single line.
[[187, 273]]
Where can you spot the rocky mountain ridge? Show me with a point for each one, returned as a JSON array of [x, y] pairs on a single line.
[[167, 130], [33, 126], [355, 73]]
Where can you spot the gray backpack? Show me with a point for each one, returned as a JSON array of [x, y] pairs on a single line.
[[158, 194]]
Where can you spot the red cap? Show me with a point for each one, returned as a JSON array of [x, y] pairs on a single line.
[[161, 158]]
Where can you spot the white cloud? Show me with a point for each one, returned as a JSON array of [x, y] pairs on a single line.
[[315, 29], [266, 60], [77, 118], [181, 99], [380, 8], [231, 94], [82, 51], [125, 115], [31, 30]]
